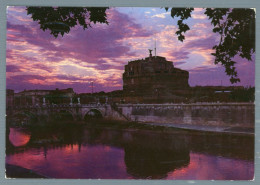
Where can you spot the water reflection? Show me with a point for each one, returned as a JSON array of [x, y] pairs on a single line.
[[209, 167], [143, 163], [19, 137], [117, 154]]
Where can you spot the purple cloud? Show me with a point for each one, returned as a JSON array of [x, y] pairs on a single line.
[[105, 41], [178, 63], [79, 87], [200, 43], [217, 76], [103, 65], [67, 77], [102, 41], [91, 44], [213, 76], [180, 54], [12, 68], [15, 57], [21, 82], [203, 44], [21, 78], [43, 67]]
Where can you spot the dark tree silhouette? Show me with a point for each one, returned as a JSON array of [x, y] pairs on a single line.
[[236, 28], [61, 19]]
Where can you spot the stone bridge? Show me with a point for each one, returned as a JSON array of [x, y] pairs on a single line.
[[70, 112], [217, 114]]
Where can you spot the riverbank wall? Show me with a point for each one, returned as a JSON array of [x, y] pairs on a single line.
[[204, 114]]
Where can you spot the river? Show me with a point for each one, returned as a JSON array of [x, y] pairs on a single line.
[[89, 152]]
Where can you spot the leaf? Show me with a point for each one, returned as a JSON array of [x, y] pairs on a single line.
[[216, 29], [181, 38]]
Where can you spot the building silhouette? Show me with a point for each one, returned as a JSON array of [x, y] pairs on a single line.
[[154, 77]]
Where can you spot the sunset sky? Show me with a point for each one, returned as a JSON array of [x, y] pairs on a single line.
[[37, 60]]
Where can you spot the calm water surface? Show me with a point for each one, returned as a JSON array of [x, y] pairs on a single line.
[[93, 153]]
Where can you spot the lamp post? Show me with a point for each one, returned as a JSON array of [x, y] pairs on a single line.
[[92, 86]]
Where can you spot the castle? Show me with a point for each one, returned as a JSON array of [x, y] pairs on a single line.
[[154, 76]]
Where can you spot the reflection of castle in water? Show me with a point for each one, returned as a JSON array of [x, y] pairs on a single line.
[[154, 163]]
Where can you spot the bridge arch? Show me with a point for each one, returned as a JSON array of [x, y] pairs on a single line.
[[63, 115], [23, 118], [93, 114]]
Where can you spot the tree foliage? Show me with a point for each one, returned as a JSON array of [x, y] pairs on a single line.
[[236, 28], [61, 19]]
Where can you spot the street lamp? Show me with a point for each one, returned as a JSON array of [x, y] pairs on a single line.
[[92, 86]]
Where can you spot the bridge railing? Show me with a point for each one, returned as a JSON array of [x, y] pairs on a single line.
[[137, 104], [58, 106], [190, 104]]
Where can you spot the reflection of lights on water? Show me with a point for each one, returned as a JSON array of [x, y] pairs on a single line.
[[18, 137]]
